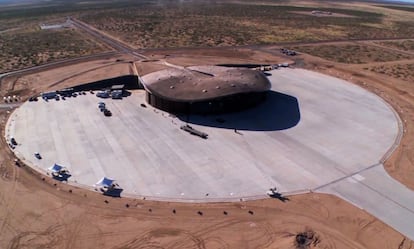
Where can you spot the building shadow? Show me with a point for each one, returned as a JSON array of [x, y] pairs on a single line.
[[126, 93], [61, 177], [130, 82], [278, 112], [113, 192]]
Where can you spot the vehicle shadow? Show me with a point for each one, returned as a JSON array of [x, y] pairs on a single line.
[[279, 196], [278, 112]]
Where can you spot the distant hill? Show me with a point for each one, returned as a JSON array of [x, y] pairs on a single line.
[[17, 2]]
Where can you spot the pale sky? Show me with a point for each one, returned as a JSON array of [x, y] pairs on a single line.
[[401, 1], [406, 1]]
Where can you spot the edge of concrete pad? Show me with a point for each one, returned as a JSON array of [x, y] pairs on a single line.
[[400, 134]]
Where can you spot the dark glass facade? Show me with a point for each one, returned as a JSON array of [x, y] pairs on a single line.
[[229, 103]]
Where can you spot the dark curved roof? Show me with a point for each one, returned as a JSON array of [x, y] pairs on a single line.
[[198, 83]]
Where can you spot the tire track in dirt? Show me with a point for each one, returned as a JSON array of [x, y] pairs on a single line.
[[74, 233], [186, 239], [50, 212], [201, 239], [10, 201], [216, 242], [44, 239]]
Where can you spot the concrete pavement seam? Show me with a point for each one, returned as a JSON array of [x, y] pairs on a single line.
[[345, 177]]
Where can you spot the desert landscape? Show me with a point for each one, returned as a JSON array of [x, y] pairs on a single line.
[[370, 45]]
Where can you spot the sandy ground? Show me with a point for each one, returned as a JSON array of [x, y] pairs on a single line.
[[211, 56], [36, 213], [72, 75]]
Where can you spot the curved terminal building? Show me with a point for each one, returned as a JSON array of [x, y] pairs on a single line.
[[205, 89]]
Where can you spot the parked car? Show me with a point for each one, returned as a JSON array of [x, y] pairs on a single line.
[[107, 112], [117, 94], [101, 105], [37, 155], [103, 94], [13, 141]]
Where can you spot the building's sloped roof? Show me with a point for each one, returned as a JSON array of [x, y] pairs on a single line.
[[105, 182], [204, 82]]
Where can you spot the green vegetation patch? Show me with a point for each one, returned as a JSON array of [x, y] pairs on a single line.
[[406, 45], [403, 72], [405, 29], [24, 49], [212, 24], [394, 7], [41, 11], [351, 54]]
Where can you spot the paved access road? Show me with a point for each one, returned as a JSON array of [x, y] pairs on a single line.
[[9, 105], [380, 195], [110, 41]]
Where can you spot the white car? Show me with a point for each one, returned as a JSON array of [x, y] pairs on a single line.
[[103, 95]]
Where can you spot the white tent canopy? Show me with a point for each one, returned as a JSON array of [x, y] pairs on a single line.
[[105, 182], [56, 168]]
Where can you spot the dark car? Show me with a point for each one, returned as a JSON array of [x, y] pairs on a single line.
[[13, 141], [107, 113], [37, 155]]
